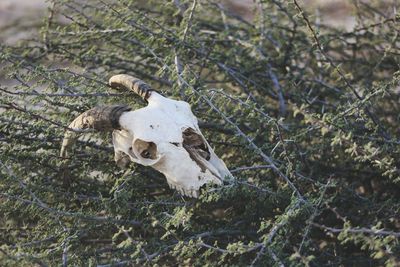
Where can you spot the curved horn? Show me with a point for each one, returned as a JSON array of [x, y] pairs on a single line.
[[124, 81], [99, 118]]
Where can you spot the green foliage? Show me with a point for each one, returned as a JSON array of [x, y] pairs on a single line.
[[306, 117]]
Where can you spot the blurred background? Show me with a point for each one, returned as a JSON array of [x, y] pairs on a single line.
[[18, 18]]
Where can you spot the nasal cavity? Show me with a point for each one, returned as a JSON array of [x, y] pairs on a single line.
[[195, 144]]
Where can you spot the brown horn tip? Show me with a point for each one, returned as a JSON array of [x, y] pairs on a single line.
[[124, 81], [104, 118]]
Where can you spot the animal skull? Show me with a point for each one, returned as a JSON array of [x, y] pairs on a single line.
[[164, 135]]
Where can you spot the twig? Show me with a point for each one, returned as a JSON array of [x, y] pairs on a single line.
[[72, 214], [314, 214], [177, 61], [245, 168], [362, 230], [189, 23], [339, 70], [35, 93]]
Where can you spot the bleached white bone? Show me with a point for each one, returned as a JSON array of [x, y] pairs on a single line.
[[164, 135], [163, 122]]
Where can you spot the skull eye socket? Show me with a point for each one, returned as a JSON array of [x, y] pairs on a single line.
[[146, 154], [147, 150]]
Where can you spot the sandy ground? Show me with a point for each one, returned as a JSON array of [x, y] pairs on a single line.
[[336, 13], [24, 13], [28, 13], [12, 9]]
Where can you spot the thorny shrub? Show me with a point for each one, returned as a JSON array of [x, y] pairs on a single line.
[[306, 117]]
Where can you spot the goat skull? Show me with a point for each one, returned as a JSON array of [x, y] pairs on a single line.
[[164, 135]]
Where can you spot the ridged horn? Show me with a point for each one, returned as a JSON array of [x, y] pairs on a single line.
[[124, 81], [104, 118]]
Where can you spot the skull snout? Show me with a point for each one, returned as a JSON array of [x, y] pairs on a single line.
[[182, 171]]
